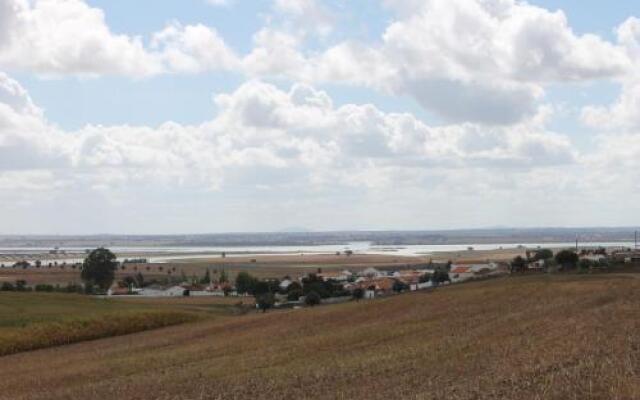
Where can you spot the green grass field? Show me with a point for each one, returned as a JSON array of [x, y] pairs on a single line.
[[36, 320]]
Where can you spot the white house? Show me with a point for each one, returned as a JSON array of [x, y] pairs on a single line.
[[285, 284], [594, 257], [372, 273], [369, 294]]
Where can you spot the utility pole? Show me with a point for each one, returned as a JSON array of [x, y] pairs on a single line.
[[576, 243]]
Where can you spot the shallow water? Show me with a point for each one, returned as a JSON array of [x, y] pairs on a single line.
[[167, 254]]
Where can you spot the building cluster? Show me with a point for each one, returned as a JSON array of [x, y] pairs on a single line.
[[370, 282]]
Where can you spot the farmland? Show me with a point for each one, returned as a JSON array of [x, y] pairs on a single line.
[[532, 337], [265, 266], [36, 320]]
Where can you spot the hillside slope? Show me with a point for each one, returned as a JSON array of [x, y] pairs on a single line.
[[520, 338]]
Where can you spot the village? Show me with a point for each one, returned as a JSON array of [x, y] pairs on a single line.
[[323, 284], [334, 286]]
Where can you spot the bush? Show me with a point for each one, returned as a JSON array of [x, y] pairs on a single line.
[[7, 287], [73, 288], [358, 294], [89, 288], [44, 288], [585, 265], [312, 299], [294, 295], [400, 287], [21, 286], [518, 264], [265, 301]]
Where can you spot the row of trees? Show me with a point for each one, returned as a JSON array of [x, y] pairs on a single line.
[[564, 259], [21, 286]]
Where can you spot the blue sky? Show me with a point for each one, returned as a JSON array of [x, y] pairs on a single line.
[[186, 116]]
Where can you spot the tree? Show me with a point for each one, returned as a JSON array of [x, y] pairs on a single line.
[[543, 254], [399, 286], [426, 277], [7, 287], [224, 277], [358, 294], [265, 301], [21, 285], [99, 268], [567, 259], [261, 287], [294, 291], [245, 283], [518, 264], [207, 278], [313, 283], [585, 265], [440, 276], [139, 280], [312, 299], [294, 287], [128, 282]]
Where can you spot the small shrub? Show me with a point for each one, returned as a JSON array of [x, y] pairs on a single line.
[[7, 287], [312, 299]]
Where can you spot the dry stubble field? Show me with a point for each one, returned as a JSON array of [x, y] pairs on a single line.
[[538, 337]]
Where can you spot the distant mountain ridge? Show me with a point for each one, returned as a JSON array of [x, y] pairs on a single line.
[[427, 237]]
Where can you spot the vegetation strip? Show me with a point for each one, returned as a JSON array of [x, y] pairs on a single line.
[[48, 334]]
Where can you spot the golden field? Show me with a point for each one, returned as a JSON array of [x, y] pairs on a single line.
[[37, 320], [535, 337]]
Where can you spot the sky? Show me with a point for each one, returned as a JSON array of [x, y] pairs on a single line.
[[198, 116]]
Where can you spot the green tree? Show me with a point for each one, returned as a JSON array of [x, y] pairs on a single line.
[[261, 287], [543, 254], [224, 277], [139, 280], [399, 286], [358, 294], [99, 268], [207, 278], [440, 276], [312, 299], [245, 283], [585, 265], [294, 295], [21, 285], [518, 264], [568, 259], [313, 283], [265, 301], [294, 291]]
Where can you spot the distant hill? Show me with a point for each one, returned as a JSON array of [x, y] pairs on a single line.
[[468, 236]]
